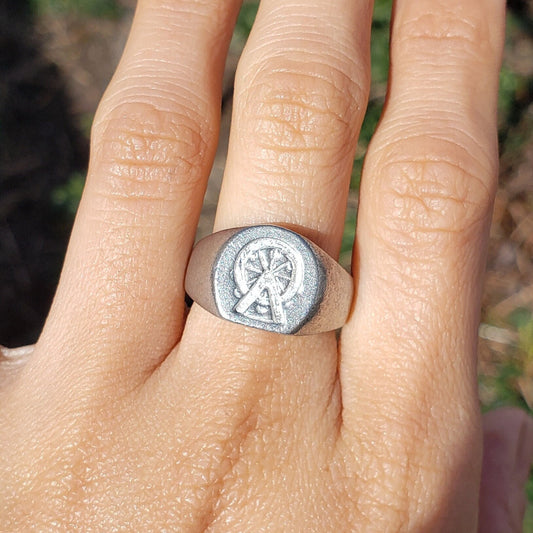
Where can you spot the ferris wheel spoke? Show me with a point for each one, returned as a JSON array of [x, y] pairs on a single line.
[[268, 276], [265, 263], [276, 270], [252, 268]]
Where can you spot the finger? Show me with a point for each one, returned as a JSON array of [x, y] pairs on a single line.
[[301, 89], [12, 360], [300, 95], [507, 458], [408, 367], [300, 92], [154, 138]]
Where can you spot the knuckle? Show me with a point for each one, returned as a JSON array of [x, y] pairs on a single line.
[[432, 199], [307, 117], [142, 151], [448, 28]]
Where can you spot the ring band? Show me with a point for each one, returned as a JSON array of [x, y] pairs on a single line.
[[270, 278]]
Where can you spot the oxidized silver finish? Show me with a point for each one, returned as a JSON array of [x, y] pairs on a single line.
[[268, 277]]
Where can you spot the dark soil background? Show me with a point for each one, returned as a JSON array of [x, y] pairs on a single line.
[[40, 147]]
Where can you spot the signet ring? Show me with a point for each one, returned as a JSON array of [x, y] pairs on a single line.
[[271, 278]]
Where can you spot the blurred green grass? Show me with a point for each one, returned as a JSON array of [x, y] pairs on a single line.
[[89, 8]]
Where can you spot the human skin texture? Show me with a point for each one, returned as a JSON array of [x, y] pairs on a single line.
[[130, 414]]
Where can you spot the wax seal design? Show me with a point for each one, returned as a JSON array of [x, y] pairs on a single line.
[[268, 274], [270, 278], [267, 277]]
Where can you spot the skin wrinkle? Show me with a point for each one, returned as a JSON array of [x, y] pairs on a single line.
[[295, 19], [164, 98], [279, 78], [463, 121], [453, 29], [240, 469], [469, 115], [442, 144], [121, 199], [140, 134], [136, 184], [280, 46], [216, 13], [284, 170], [337, 60], [452, 46], [277, 137], [282, 191], [474, 159], [306, 113], [163, 72], [283, 195], [443, 67], [460, 208], [452, 127], [248, 427], [200, 28]]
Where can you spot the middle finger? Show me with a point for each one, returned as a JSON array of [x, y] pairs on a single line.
[[300, 93]]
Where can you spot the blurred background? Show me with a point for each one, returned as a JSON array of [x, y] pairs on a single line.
[[56, 58]]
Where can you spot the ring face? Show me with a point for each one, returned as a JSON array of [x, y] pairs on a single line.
[[269, 278]]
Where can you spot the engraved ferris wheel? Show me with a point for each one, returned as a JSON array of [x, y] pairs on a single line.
[[268, 273]]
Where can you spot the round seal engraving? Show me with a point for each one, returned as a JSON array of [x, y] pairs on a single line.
[[267, 277], [268, 274]]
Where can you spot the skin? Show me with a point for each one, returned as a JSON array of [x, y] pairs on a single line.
[[131, 415]]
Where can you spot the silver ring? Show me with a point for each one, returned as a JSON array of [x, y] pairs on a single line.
[[270, 278]]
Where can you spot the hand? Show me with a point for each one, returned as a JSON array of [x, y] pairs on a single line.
[[130, 415]]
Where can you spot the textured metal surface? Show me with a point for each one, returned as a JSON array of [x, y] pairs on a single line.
[[269, 278]]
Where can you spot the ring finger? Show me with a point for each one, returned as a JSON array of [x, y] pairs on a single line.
[[300, 94]]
